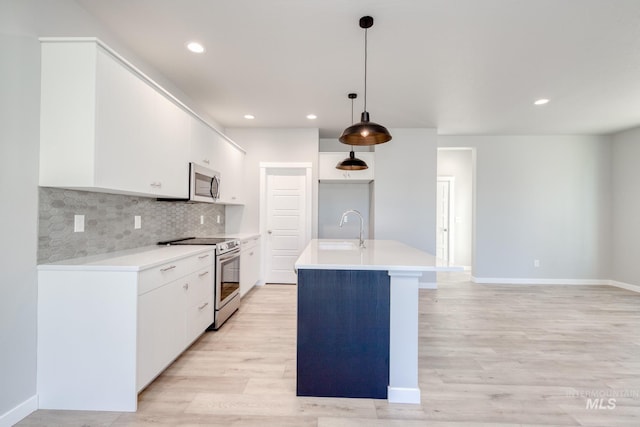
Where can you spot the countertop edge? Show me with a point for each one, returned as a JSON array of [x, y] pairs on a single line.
[[77, 264]]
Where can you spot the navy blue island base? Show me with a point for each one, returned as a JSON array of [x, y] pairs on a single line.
[[343, 333]]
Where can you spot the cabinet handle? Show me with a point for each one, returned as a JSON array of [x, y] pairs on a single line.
[[203, 306], [205, 161], [156, 184], [244, 242], [250, 253], [203, 274], [233, 197], [168, 268], [203, 256], [185, 286]]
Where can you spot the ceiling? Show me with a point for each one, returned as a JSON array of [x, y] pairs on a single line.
[[461, 66]]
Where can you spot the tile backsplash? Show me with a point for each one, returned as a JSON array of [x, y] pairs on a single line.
[[109, 222]]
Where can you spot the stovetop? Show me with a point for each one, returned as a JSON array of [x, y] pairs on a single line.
[[223, 245], [195, 241]]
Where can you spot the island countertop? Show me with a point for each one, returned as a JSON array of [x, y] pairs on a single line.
[[390, 255]]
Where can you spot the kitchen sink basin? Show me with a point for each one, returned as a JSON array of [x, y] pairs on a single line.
[[337, 246]]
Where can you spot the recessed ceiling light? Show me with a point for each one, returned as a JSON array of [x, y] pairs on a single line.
[[195, 47], [311, 116], [249, 116], [541, 101]]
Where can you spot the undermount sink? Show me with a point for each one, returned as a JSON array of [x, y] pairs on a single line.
[[337, 246]]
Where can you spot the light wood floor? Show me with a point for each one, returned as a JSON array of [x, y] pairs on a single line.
[[490, 355]]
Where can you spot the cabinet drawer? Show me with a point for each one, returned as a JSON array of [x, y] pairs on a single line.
[[201, 285], [249, 243], [165, 273]]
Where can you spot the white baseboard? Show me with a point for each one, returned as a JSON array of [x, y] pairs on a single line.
[[427, 285], [20, 412], [536, 281], [627, 286], [403, 395]]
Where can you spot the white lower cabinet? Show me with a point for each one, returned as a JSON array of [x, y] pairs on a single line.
[[105, 334], [250, 264]]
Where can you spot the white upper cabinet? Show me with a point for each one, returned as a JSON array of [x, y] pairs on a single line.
[[210, 149], [203, 145], [106, 128], [231, 170], [327, 171]]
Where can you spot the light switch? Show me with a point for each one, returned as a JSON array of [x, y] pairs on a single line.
[[218, 219], [78, 223], [137, 222], [201, 219]]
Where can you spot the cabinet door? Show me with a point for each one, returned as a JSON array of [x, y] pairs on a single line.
[[122, 115], [202, 144], [232, 173], [250, 263], [327, 168], [199, 302], [168, 149], [161, 329], [141, 136]]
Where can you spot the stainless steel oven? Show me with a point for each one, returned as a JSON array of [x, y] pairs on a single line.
[[227, 295], [227, 285]]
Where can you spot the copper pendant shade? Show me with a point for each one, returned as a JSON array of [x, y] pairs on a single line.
[[352, 163], [366, 132]]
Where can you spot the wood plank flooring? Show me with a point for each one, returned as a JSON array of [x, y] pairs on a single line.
[[490, 355]]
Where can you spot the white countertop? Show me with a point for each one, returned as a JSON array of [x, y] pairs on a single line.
[[240, 236], [387, 255], [130, 260]]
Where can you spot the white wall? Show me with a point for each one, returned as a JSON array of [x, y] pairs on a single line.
[[270, 145], [405, 188], [459, 165], [541, 197], [626, 207], [19, 143], [336, 198]]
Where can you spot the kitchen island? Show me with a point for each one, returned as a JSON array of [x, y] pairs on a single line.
[[358, 319]]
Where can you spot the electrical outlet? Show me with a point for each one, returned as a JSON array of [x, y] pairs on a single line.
[[536, 263], [78, 223], [201, 219], [137, 222]]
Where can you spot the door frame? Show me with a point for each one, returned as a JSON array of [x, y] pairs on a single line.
[[264, 170], [452, 206]]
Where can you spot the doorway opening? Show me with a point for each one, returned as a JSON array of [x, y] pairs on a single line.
[[456, 206]]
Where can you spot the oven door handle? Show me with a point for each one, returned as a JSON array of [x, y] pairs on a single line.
[[229, 255]]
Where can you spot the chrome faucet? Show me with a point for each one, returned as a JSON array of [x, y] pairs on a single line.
[[342, 220]]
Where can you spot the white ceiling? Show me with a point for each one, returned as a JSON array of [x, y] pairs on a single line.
[[462, 66]]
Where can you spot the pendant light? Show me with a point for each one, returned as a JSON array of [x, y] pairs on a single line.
[[365, 132], [352, 163]]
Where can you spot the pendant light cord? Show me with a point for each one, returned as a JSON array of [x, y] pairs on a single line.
[[365, 69], [352, 113]]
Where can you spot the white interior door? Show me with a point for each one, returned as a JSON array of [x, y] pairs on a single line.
[[286, 222], [443, 219]]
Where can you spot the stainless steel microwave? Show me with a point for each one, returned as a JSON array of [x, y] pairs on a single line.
[[204, 184]]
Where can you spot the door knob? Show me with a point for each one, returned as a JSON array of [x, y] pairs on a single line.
[[270, 232]]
